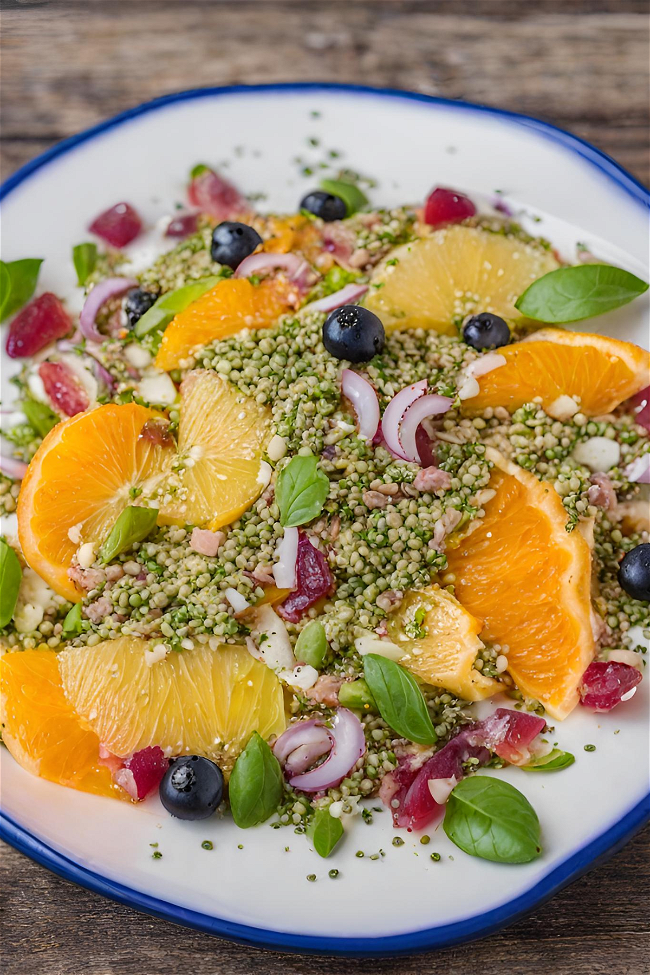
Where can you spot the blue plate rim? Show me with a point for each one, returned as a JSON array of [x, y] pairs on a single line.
[[469, 929]]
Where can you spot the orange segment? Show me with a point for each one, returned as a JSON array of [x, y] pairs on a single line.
[[41, 729], [529, 581], [229, 307], [599, 372], [79, 482], [294, 233]]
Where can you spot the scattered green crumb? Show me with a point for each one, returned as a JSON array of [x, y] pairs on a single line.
[[398, 841], [424, 840], [207, 845], [590, 748], [311, 877], [333, 873], [435, 856], [156, 855]]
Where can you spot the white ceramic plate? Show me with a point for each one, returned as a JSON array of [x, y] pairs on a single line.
[[259, 894]]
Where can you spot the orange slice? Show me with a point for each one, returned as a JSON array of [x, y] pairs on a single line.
[[81, 478], [596, 371], [221, 440], [201, 701], [229, 307], [443, 652], [293, 233], [41, 729], [529, 581]]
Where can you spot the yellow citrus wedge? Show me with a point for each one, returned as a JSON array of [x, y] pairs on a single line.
[[596, 371], [434, 282], [201, 701], [41, 729], [80, 480], [528, 580], [221, 439]]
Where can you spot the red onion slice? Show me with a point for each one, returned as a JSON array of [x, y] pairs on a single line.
[[298, 734], [12, 467], [291, 263], [390, 422], [639, 470], [423, 407], [96, 299], [349, 744], [347, 295], [363, 397], [284, 570]]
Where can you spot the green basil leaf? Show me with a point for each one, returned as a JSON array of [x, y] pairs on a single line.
[[134, 524], [256, 784], [72, 622], [311, 646], [10, 576], [356, 694], [300, 491], [17, 284], [84, 258], [161, 313], [570, 294], [553, 762], [39, 416], [491, 819], [350, 193], [399, 699], [325, 832]]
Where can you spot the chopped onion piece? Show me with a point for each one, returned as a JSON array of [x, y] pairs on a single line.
[[363, 397], [97, 298], [390, 422], [441, 789], [236, 600], [256, 263], [349, 744], [639, 470], [347, 295], [275, 650], [284, 570], [12, 467], [431, 405]]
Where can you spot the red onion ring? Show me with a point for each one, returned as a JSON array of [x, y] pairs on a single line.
[[390, 422], [423, 407], [12, 467], [349, 744], [269, 262], [96, 299], [300, 733], [284, 570], [638, 471], [347, 295], [363, 397]]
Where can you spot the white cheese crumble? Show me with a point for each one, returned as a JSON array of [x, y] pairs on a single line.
[[598, 454]]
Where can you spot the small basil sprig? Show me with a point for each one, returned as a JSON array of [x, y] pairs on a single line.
[[161, 313], [10, 576], [311, 646], [399, 699], [72, 622], [39, 416], [553, 762], [350, 193], [300, 491], [17, 284], [570, 294], [325, 832], [132, 526], [84, 258], [489, 818], [256, 784]]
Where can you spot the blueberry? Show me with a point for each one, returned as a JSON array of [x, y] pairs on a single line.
[[192, 787], [486, 331], [634, 572], [136, 303], [327, 206], [232, 242], [353, 333]]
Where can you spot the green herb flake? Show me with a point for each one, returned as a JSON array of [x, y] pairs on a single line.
[[571, 294], [590, 748], [435, 857], [333, 873], [156, 855], [311, 647], [300, 491], [553, 762], [207, 845], [10, 578], [72, 622], [489, 818], [398, 841], [256, 784], [399, 699], [17, 284], [325, 832], [133, 525], [311, 877], [84, 258], [39, 416]]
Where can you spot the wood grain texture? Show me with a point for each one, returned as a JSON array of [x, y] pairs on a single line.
[[582, 64]]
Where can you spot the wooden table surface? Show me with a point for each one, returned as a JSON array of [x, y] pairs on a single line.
[[582, 64]]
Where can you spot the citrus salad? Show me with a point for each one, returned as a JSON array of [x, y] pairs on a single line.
[[286, 501]]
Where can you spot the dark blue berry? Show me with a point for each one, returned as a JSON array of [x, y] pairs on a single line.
[[353, 333], [232, 242], [192, 787], [327, 206], [136, 303], [486, 331], [634, 572]]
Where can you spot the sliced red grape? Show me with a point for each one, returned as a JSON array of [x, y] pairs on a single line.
[[63, 389], [118, 226], [605, 683], [42, 321], [446, 206]]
